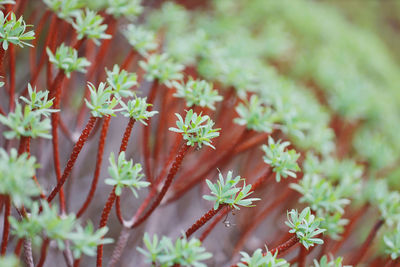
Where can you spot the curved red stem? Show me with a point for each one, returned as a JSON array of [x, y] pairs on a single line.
[[203, 220], [358, 256], [12, 78], [72, 159], [43, 252], [146, 133], [103, 222], [102, 141], [6, 225]]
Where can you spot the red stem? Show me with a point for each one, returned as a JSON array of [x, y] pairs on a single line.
[[74, 155], [55, 117], [224, 157], [160, 127], [127, 134], [18, 247], [128, 60], [77, 262], [6, 225], [52, 42], [349, 228], [172, 172], [285, 246], [103, 222], [367, 243], [211, 226], [96, 67], [12, 78], [122, 148], [203, 220], [102, 141], [251, 142], [38, 31], [43, 252], [302, 256], [146, 133], [2, 53]]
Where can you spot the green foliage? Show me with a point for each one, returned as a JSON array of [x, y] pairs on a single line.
[[324, 262], [305, 226], [126, 8], [60, 229], [392, 243], [282, 160], [137, 108], [32, 119], [66, 59], [162, 68], [85, 240], [9, 261], [320, 194], [226, 192], [46, 222], [16, 173], [165, 253], [39, 101], [65, 9], [121, 81], [88, 24], [14, 31], [141, 39], [101, 101], [259, 260], [196, 129], [334, 223], [125, 174], [255, 115], [389, 207], [197, 93]]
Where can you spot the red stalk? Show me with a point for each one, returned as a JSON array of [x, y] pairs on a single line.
[[111, 197], [12, 78], [358, 256], [2, 53], [302, 256], [6, 225], [128, 60], [349, 228], [74, 155], [103, 222], [96, 67], [146, 133], [43, 252], [56, 91], [285, 246], [213, 224], [203, 220], [18, 247], [77, 262], [52, 46], [160, 127], [250, 143], [127, 134], [102, 140], [172, 172], [223, 157]]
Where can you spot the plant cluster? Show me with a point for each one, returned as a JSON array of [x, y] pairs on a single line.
[[293, 97]]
